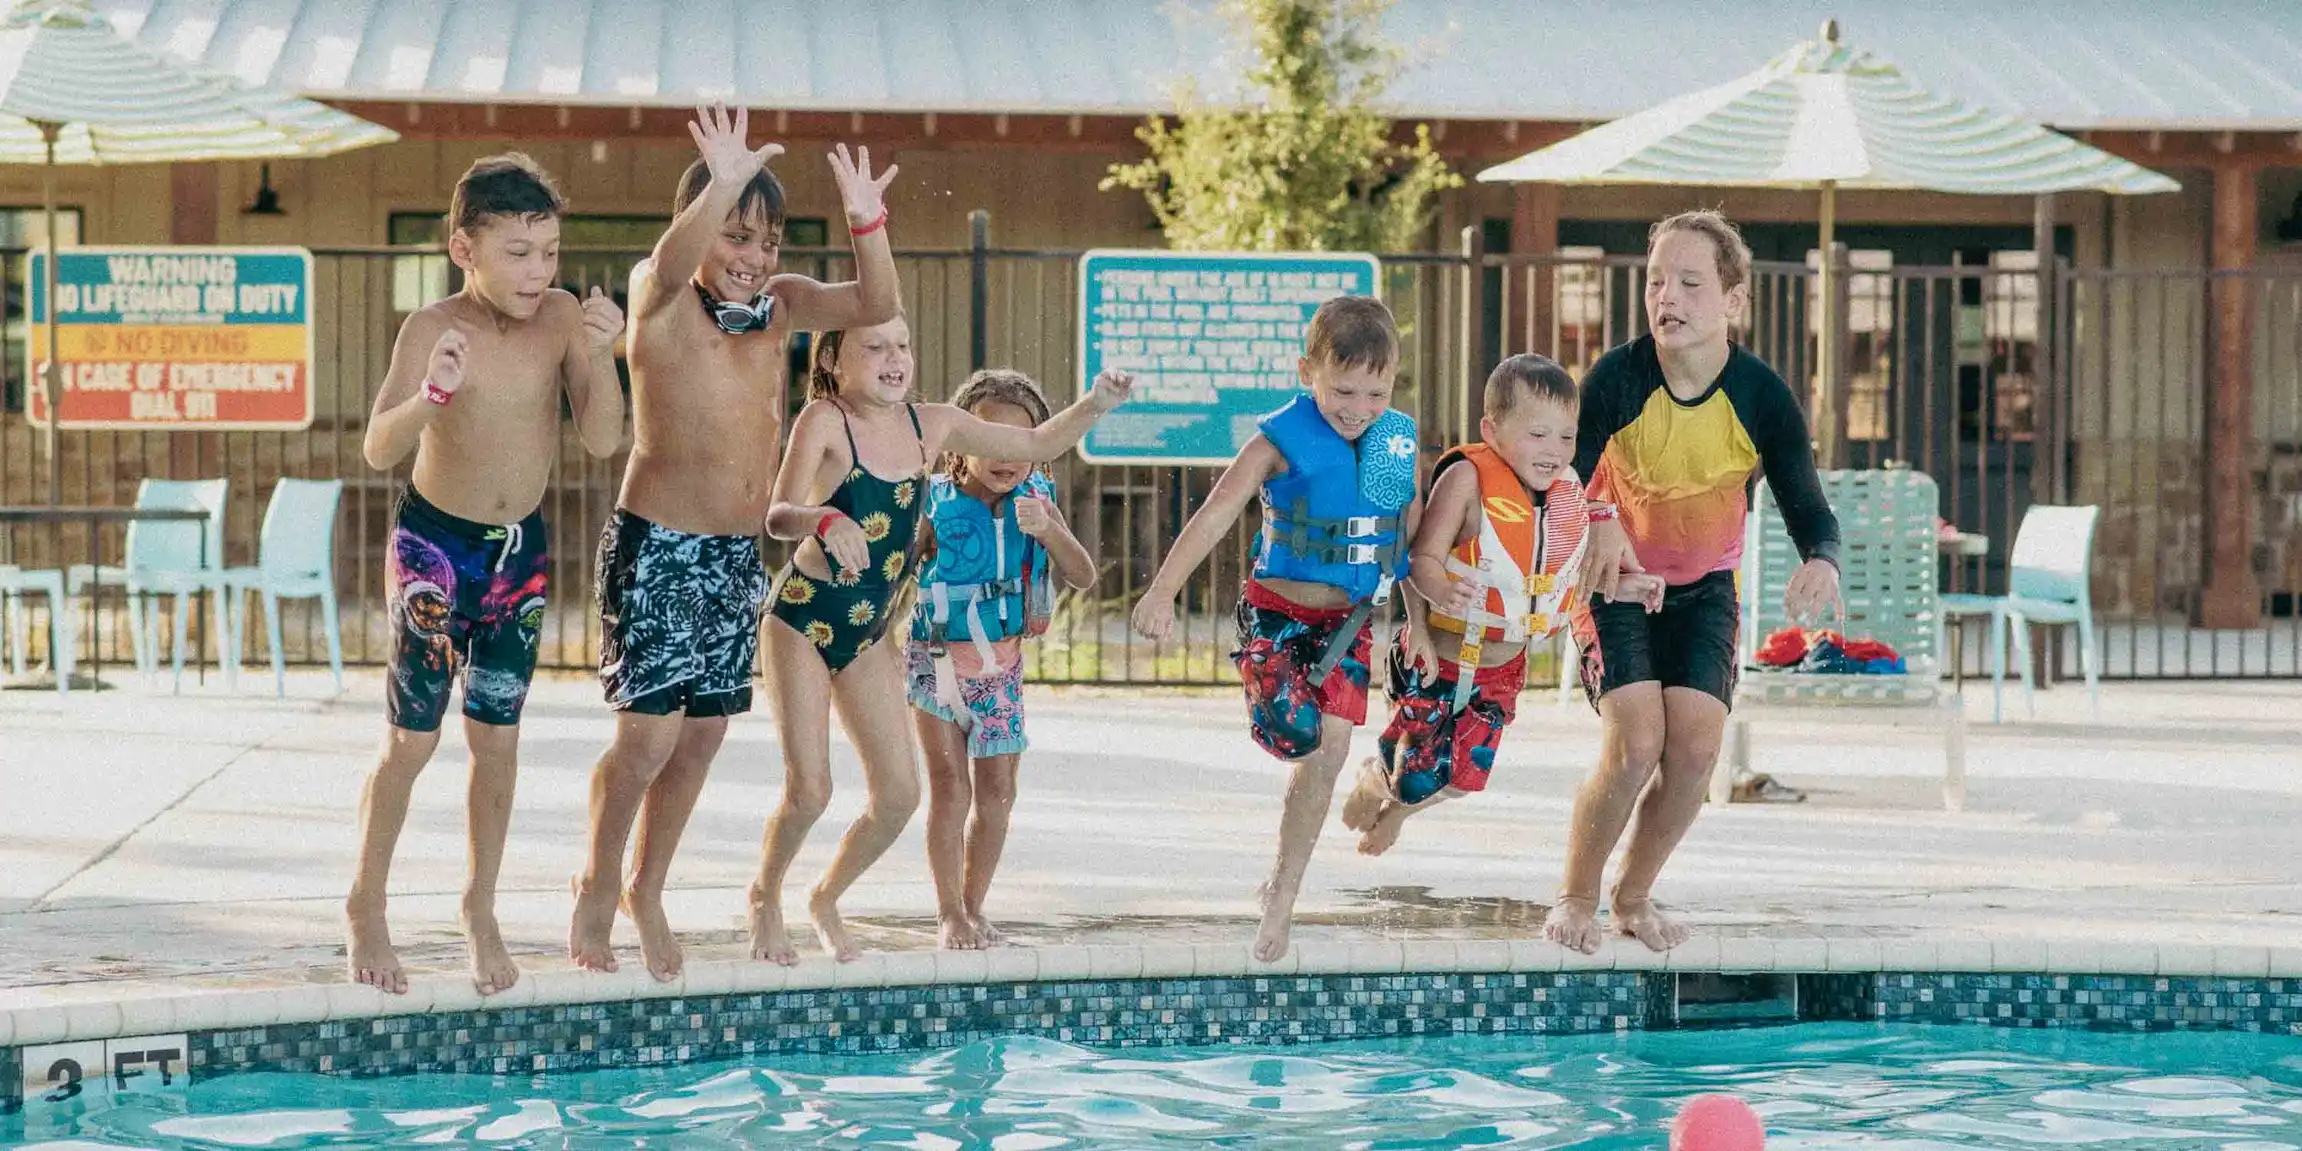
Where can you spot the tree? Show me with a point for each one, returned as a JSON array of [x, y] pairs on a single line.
[[1304, 163]]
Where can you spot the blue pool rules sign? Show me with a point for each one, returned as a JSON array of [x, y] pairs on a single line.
[[1211, 337]]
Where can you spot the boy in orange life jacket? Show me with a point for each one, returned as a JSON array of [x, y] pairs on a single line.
[[1509, 531]]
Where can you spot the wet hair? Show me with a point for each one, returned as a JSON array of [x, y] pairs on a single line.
[[508, 185], [1353, 332], [1526, 377], [994, 386], [762, 196], [1733, 253], [822, 357]]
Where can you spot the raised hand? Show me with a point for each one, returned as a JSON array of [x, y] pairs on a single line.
[[720, 135], [602, 321], [1112, 387], [446, 369], [862, 194]]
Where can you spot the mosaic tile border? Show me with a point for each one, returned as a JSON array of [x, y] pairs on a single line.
[[1103, 1013], [1100, 996]]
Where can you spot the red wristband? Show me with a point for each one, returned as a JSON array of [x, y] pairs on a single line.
[[824, 524], [869, 228], [436, 393], [1600, 512]]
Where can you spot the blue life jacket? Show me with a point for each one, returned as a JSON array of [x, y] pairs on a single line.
[[1334, 516], [987, 581]]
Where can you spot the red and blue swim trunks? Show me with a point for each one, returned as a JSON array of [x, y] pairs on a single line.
[[1280, 641], [1429, 746]]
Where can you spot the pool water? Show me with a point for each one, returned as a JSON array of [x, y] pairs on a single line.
[[1910, 1088]]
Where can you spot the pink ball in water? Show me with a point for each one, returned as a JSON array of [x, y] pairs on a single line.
[[1717, 1123]]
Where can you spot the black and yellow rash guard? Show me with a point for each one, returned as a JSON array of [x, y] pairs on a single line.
[[1681, 472]]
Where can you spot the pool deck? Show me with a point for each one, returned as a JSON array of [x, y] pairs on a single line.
[[158, 847]]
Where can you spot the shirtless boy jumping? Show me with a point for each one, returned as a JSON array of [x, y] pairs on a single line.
[[474, 390], [681, 579]]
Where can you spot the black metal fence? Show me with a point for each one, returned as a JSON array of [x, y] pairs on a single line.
[[1942, 371]]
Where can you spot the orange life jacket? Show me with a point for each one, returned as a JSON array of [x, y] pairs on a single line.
[[1526, 551]]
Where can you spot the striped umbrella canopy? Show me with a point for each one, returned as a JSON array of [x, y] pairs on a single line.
[[1825, 112], [115, 101], [1827, 115], [74, 91]]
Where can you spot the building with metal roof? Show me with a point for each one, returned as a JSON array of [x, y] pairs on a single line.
[[2077, 64]]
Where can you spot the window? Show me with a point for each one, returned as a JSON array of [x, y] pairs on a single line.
[[22, 229], [2010, 331], [1870, 338]]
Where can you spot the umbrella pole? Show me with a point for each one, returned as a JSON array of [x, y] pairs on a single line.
[[51, 376], [1827, 354]]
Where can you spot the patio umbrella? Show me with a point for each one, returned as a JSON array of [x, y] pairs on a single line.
[[1826, 115], [74, 91]]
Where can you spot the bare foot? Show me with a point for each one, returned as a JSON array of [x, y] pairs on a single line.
[[1384, 832], [1278, 920], [492, 966], [1368, 795], [1639, 919], [368, 954], [588, 930], [1573, 923], [658, 947], [960, 933], [830, 929], [769, 940], [983, 927]]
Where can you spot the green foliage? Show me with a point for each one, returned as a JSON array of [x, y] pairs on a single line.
[[1305, 164]]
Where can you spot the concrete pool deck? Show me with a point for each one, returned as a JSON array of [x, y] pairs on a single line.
[[154, 847]]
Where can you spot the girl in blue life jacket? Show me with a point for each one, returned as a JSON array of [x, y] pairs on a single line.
[[996, 542]]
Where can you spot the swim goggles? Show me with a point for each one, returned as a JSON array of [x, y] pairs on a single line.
[[736, 319]]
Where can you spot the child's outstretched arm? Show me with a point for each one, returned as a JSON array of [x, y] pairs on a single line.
[[1454, 499], [950, 429], [1043, 521], [1155, 613], [793, 515]]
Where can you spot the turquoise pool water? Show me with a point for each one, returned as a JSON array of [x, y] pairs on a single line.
[[1819, 1086]]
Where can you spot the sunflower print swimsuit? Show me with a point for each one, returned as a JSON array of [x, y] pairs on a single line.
[[846, 614]]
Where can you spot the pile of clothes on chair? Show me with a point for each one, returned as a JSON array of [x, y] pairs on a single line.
[[1828, 652]]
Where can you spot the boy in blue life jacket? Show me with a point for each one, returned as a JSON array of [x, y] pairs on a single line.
[[1336, 471]]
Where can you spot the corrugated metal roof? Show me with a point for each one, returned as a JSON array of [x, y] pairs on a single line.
[[2140, 64]]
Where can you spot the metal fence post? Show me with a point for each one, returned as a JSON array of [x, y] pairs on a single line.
[[978, 289]]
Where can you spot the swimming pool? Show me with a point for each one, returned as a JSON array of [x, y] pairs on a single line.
[[1833, 1085]]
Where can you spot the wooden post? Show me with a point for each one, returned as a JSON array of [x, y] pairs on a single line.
[[1530, 286], [2233, 597], [192, 209]]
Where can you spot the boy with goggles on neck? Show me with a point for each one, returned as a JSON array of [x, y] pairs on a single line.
[[681, 579]]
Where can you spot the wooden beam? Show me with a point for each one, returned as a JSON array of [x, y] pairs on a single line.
[[2233, 596], [2198, 149]]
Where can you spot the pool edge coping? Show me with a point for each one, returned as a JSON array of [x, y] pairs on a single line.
[[168, 1012]]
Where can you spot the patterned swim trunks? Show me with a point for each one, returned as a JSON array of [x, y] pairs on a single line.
[[679, 618], [1429, 746], [993, 717], [1279, 643], [462, 596]]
